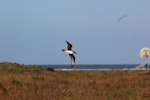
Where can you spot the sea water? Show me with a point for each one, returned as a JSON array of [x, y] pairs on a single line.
[[93, 67]]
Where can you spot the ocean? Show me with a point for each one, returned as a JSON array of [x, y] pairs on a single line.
[[94, 67]]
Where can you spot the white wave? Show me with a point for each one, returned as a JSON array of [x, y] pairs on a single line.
[[83, 69], [142, 67], [123, 69]]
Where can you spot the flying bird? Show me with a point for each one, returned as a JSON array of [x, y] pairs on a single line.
[[71, 53], [121, 18], [145, 53]]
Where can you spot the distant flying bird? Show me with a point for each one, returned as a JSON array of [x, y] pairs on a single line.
[[71, 53], [121, 18]]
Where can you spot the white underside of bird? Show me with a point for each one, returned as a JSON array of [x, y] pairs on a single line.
[[69, 51]]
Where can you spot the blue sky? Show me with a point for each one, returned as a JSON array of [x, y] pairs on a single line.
[[35, 31]]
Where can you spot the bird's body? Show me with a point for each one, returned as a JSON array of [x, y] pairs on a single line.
[[68, 51], [71, 53]]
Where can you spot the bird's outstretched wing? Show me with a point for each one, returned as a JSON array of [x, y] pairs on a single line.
[[69, 45], [72, 59]]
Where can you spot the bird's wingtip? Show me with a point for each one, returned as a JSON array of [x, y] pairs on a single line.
[[67, 41]]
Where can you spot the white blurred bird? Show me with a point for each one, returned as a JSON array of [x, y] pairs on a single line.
[[145, 53]]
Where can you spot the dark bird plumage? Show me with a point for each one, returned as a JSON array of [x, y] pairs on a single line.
[[69, 45]]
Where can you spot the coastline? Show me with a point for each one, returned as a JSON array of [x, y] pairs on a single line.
[[94, 67]]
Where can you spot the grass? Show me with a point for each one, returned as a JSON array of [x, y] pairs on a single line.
[[20, 82]]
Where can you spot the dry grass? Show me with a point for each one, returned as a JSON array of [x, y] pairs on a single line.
[[19, 82]]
